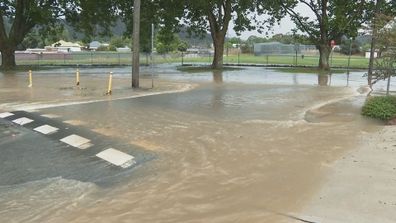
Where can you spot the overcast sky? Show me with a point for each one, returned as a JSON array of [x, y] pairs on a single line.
[[286, 25]]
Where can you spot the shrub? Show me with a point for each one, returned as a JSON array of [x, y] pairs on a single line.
[[381, 107]]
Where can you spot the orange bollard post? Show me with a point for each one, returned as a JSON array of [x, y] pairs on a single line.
[[30, 79], [110, 84]]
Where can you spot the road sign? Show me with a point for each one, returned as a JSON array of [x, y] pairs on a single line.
[[332, 43]]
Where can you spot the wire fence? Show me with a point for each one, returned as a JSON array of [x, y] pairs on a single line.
[[115, 58]]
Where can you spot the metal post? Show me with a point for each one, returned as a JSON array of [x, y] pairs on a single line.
[[78, 77], [348, 78], [388, 85], [350, 52], [136, 44], [152, 55]]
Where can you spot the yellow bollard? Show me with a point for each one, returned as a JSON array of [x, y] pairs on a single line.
[[78, 77], [110, 84], [30, 79]]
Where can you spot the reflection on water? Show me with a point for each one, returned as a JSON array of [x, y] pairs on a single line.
[[324, 79], [240, 151], [218, 76]]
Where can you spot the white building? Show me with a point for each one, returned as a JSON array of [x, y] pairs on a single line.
[[63, 46]]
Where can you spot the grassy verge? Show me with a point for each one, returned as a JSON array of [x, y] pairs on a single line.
[[307, 70], [199, 69]]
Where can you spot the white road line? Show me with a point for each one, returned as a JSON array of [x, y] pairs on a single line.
[[6, 114], [50, 115], [22, 121], [46, 129], [117, 157], [77, 141]]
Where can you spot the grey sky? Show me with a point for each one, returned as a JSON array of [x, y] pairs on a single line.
[[286, 25]]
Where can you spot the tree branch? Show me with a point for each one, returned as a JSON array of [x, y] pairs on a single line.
[[295, 15], [227, 15], [3, 34], [314, 10]]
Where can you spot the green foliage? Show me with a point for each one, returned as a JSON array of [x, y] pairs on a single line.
[[105, 48], [332, 20], [182, 46], [167, 43], [164, 14], [381, 107], [118, 42], [385, 65], [345, 46]]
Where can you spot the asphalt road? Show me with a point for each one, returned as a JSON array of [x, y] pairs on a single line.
[[27, 155]]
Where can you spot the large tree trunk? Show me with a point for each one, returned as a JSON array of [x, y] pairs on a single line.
[[8, 59], [324, 51], [218, 42]]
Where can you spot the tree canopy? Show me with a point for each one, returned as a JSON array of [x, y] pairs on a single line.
[[214, 16], [332, 19], [25, 15]]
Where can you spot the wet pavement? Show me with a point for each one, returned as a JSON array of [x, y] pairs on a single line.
[[28, 155], [241, 147]]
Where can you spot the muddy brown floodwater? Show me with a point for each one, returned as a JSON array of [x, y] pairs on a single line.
[[225, 152]]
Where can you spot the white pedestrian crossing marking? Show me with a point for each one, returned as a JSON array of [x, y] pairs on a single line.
[[117, 157], [6, 114], [50, 116], [23, 121], [77, 141], [46, 129]]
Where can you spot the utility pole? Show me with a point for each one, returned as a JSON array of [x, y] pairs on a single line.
[[136, 45]]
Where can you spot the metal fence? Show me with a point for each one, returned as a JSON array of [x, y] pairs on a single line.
[[115, 58]]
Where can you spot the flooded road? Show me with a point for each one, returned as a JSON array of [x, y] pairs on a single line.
[[241, 147]]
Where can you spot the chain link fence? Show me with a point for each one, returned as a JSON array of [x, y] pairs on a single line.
[[125, 59]]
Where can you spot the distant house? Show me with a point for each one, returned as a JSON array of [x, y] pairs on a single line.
[[94, 45], [367, 54], [63, 46], [123, 50]]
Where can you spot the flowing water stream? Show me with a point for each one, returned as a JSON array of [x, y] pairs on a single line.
[[248, 145]]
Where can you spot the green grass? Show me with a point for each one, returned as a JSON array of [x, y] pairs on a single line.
[[337, 61], [308, 70], [198, 69]]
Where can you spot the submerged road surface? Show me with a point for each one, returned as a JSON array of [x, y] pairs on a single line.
[[224, 152]]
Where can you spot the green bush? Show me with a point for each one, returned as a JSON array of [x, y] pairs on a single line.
[[381, 107]]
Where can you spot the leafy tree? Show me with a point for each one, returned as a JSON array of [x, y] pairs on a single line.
[[333, 19], [386, 43], [164, 14], [182, 46], [346, 45], [118, 42], [25, 15], [214, 16]]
